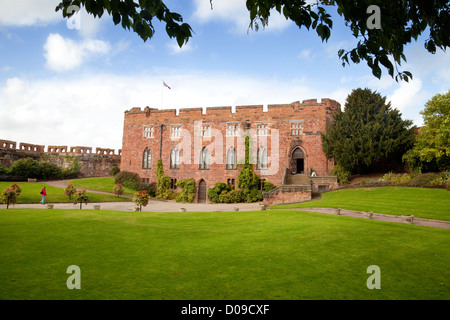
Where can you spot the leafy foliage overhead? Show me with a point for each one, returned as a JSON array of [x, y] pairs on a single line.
[[401, 22]]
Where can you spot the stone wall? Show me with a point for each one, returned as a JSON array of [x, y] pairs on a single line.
[[92, 164], [287, 194]]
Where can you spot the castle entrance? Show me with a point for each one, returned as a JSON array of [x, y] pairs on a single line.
[[298, 161], [202, 191]]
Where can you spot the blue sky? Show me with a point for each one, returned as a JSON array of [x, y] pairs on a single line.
[[61, 85]]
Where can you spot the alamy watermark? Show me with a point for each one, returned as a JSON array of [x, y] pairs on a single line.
[[73, 281], [374, 21], [374, 281], [74, 22]]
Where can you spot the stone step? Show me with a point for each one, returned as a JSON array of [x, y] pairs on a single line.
[[297, 179]]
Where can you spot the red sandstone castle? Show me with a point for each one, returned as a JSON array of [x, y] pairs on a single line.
[[285, 146]]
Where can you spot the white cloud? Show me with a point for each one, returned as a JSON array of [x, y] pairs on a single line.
[[88, 110], [407, 94], [174, 48], [236, 12], [26, 12], [65, 54], [305, 54]]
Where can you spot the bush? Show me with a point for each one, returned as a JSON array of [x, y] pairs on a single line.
[[232, 196], [25, 168], [267, 186], [424, 179], [163, 190], [80, 197], [128, 179], [149, 187], [188, 190], [214, 192], [252, 196], [49, 171], [118, 189], [8, 196], [342, 174], [4, 171], [114, 170], [72, 172], [70, 191]]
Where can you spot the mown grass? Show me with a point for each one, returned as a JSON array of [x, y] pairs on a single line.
[[31, 193], [105, 184], [228, 255], [421, 202]]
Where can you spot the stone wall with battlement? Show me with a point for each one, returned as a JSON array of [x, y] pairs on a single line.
[[150, 134], [93, 164]]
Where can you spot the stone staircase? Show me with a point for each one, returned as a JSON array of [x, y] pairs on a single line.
[[296, 188], [297, 180]]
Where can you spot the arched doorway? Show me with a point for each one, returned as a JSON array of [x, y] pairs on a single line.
[[202, 191], [297, 161]]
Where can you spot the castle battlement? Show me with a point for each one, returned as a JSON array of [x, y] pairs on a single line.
[[12, 145], [96, 164], [325, 102]]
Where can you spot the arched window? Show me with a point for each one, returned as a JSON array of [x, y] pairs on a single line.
[[204, 159], [147, 159], [231, 158], [261, 161], [175, 158]]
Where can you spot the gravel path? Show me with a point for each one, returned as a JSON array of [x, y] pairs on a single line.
[[155, 205]]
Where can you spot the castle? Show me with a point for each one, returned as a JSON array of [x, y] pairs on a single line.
[[96, 164], [208, 145]]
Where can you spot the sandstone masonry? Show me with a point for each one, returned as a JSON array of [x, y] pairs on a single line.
[[208, 145], [92, 164]]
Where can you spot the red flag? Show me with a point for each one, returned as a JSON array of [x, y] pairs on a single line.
[[165, 85]]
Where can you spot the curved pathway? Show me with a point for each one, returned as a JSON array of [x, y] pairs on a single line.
[[379, 216], [156, 205]]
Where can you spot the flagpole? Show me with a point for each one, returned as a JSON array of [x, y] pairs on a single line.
[[162, 96]]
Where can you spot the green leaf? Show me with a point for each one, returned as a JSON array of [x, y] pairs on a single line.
[[116, 18]]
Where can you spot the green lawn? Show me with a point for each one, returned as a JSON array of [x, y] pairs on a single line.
[[218, 255], [105, 184], [421, 202], [31, 193]]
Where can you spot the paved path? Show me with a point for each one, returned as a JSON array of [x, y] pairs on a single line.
[[155, 205], [381, 216]]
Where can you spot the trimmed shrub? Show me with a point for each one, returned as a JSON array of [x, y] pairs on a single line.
[[49, 171], [128, 179], [26, 168], [267, 186], [114, 170], [188, 190], [214, 192], [232, 196]]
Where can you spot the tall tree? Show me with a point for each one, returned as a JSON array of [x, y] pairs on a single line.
[[431, 151], [382, 28], [369, 135]]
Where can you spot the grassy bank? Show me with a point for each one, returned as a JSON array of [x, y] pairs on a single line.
[[227, 255], [105, 184], [421, 202], [31, 193]]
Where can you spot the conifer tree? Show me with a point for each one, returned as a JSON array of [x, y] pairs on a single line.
[[369, 135]]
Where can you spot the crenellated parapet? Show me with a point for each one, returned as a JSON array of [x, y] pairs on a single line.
[[81, 150], [57, 149], [31, 147], [7, 144], [36, 148]]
